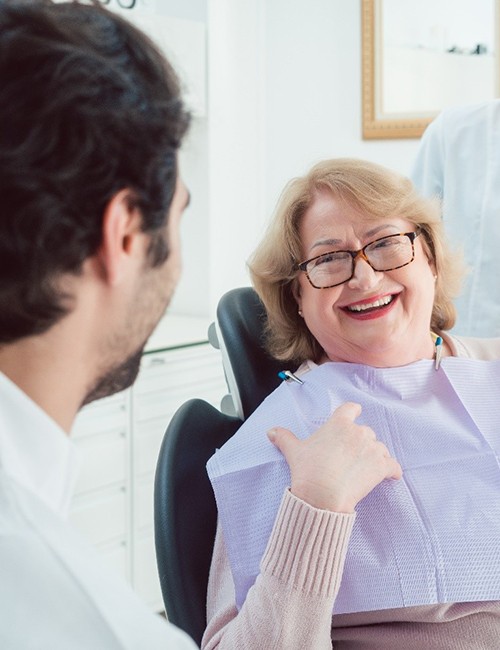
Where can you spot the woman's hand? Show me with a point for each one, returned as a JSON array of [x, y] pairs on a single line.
[[339, 464]]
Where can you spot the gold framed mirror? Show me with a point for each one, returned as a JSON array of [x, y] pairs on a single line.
[[420, 57]]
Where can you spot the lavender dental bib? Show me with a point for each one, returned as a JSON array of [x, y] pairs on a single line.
[[434, 536]]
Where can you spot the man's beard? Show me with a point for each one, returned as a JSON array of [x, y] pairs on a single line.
[[116, 379]]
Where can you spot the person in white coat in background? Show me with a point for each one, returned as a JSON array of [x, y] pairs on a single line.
[[459, 162], [91, 119]]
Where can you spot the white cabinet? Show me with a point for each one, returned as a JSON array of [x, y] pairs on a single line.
[[119, 438]]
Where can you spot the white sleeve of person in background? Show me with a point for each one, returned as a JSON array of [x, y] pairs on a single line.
[[459, 162]]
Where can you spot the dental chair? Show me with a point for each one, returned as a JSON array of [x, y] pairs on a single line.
[[238, 332], [184, 506]]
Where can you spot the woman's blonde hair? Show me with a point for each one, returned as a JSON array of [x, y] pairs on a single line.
[[375, 191]]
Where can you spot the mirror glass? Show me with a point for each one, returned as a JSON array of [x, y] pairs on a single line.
[[421, 57]]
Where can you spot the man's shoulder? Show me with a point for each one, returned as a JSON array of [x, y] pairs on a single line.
[[467, 116], [57, 581]]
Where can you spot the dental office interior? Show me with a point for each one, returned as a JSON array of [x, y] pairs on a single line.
[[274, 86]]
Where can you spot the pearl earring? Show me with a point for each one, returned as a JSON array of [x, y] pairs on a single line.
[[300, 313]]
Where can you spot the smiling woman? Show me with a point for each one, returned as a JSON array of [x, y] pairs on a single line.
[[397, 299], [382, 243], [362, 514]]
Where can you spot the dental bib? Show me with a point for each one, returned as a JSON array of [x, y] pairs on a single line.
[[433, 536]]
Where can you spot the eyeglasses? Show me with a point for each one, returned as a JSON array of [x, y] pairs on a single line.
[[384, 254]]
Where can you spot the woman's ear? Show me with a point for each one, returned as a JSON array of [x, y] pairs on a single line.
[[296, 293], [429, 251], [432, 264]]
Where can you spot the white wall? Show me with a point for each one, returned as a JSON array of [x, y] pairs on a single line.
[[187, 9], [313, 86], [284, 91], [236, 112]]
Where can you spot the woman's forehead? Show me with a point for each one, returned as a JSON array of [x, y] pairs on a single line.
[[330, 214]]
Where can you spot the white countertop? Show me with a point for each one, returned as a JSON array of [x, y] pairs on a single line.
[[176, 331]]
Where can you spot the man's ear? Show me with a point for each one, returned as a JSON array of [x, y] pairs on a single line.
[[121, 225]]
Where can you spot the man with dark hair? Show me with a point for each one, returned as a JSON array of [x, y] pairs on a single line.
[[91, 120]]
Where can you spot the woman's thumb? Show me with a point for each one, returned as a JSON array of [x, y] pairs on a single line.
[[282, 439]]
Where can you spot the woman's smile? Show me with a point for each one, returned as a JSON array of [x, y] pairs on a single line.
[[368, 309]]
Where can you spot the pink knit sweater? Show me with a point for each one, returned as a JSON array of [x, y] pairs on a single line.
[[290, 605]]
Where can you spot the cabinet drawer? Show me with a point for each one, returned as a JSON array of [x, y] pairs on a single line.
[[143, 506], [104, 461], [161, 393], [145, 574], [117, 559], [102, 519], [189, 367], [147, 443], [159, 404], [108, 414]]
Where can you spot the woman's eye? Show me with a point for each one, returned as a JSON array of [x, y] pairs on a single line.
[[325, 259], [386, 243]]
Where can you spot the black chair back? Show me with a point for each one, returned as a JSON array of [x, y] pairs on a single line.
[[185, 511], [251, 373], [184, 504]]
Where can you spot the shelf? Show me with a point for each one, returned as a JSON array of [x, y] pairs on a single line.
[[178, 331]]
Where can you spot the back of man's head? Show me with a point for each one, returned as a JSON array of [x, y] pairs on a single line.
[[89, 107]]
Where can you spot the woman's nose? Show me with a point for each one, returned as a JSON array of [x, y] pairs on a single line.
[[365, 277]]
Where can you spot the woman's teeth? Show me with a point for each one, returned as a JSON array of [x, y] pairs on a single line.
[[371, 305]]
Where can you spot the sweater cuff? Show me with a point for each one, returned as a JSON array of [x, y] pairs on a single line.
[[308, 546]]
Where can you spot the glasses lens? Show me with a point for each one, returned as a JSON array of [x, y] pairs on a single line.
[[330, 269], [390, 252], [384, 254]]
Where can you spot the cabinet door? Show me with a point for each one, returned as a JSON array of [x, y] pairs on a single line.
[[102, 516], [100, 508]]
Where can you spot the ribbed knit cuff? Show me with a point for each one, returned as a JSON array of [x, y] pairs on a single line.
[[307, 547]]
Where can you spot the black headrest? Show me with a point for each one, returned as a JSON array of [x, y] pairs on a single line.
[[241, 318]]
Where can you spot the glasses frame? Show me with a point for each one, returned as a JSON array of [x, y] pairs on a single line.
[[360, 253]]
